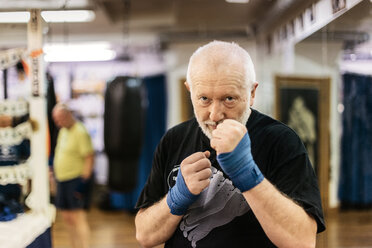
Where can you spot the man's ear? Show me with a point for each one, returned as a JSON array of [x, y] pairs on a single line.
[[187, 86], [253, 93]]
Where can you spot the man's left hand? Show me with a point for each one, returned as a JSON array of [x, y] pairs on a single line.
[[227, 136], [233, 146]]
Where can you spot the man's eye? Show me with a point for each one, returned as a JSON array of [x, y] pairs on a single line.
[[204, 100], [229, 99]]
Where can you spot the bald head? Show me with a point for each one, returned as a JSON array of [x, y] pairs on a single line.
[[223, 59], [222, 84], [62, 116]]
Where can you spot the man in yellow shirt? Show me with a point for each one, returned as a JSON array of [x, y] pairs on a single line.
[[73, 169]]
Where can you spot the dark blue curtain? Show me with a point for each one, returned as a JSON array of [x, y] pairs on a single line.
[[154, 129], [355, 188]]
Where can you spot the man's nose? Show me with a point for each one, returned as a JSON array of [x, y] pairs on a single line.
[[216, 112]]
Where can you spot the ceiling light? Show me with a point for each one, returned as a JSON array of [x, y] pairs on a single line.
[[353, 57], [43, 4], [68, 16], [49, 16], [60, 56], [78, 52], [15, 17], [237, 1]]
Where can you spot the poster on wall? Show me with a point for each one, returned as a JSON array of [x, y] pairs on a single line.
[[299, 110], [338, 5], [301, 21], [311, 13], [303, 104]]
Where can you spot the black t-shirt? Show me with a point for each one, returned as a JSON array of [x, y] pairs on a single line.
[[221, 217]]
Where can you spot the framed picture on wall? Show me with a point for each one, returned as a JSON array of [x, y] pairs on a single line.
[[269, 44], [310, 12], [301, 21], [292, 27], [338, 5], [303, 104]]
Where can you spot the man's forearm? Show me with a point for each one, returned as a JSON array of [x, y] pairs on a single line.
[[155, 224], [88, 167], [284, 222]]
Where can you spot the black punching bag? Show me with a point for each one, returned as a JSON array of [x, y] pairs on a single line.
[[124, 119]]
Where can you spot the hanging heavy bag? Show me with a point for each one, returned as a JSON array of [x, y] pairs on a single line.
[[123, 130]]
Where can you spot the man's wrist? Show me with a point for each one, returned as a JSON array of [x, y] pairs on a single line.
[[179, 197], [240, 166], [248, 179]]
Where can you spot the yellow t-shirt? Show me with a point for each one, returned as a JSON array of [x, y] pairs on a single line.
[[73, 145]]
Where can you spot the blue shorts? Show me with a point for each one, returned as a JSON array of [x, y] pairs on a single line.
[[74, 194]]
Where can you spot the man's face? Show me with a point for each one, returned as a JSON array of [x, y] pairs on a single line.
[[60, 118], [217, 96]]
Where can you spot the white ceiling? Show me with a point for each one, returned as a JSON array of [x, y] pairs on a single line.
[[168, 20], [146, 21], [353, 28]]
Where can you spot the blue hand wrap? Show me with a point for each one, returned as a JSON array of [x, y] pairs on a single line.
[[240, 166], [179, 197]]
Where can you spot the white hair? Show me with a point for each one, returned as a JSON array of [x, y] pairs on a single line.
[[228, 50], [62, 106]]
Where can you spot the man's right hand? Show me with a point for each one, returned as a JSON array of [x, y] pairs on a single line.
[[196, 171], [193, 177]]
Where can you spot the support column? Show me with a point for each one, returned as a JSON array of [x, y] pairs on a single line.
[[38, 200]]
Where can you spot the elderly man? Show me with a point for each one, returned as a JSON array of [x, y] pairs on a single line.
[[232, 177], [73, 169]]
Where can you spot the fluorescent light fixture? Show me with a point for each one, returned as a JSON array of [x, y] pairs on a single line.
[[15, 17], [353, 57], [49, 16], [237, 1], [78, 52], [68, 16], [43, 4]]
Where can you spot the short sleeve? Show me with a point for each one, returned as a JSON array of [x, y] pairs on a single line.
[[292, 173], [86, 146]]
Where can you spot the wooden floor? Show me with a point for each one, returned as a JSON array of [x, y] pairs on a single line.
[[116, 229], [108, 230], [347, 229]]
